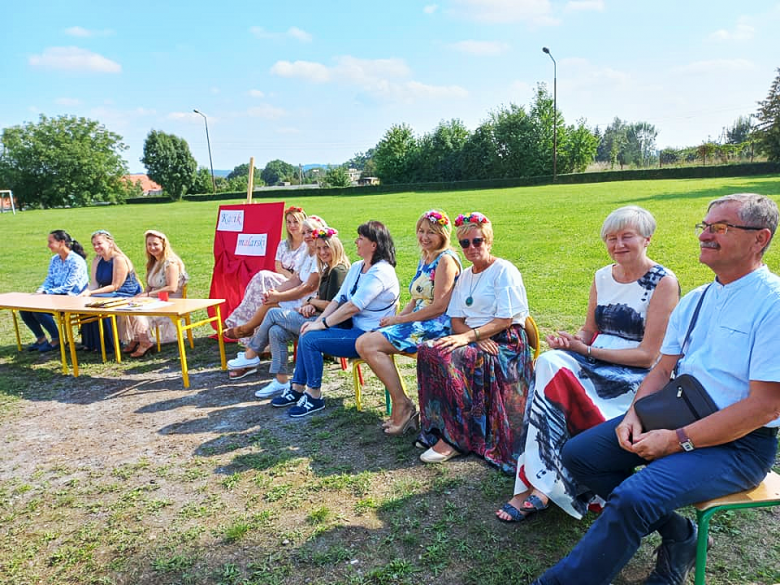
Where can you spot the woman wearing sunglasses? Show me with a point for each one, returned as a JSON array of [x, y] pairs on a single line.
[[288, 295], [592, 376], [422, 318], [369, 293], [473, 383]]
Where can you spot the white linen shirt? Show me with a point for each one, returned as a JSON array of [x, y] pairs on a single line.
[[375, 295], [735, 339], [496, 292]]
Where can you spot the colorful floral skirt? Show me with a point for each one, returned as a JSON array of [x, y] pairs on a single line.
[[407, 336], [476, 401]]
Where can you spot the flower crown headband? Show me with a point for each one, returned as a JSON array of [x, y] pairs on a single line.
[[324, 233], [437, 217], [473, 217], [293, 209]]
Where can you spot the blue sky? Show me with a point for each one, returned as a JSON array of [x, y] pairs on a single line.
[[310, 81]]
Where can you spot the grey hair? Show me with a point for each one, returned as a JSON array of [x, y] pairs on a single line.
[[630, 215], [754, 210]]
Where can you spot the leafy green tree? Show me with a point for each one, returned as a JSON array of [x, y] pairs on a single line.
[[395, 155], [439, 152], [337, 177], [64, 161], [201, 183], [277, 170], [740, 130], [169, 162], [578, 149], [242, 170], [768, 126], [360, 160]]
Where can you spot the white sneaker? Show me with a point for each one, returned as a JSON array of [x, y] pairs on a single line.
[[275, 387], [241, 361]]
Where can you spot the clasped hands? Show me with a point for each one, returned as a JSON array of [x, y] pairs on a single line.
[[648, 445], [451, 342]]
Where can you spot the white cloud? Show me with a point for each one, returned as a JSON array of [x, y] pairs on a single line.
[[584, 6], [288, 130], [521, 89], [430, 8], [190, 116], [383, 78], [715, 66], [144, 111], [81, 32], [64, 101], [74, 59], [266, 111], [293, 32], [314, 72], [256, 93], [214, 90], [535, 12], [481, 48], [741, 32], [299, 34]]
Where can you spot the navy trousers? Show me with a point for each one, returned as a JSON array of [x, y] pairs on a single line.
[[639, 503]]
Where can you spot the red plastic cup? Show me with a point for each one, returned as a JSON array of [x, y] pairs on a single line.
[[163, 296]]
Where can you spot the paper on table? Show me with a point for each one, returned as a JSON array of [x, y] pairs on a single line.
[[144, 304]]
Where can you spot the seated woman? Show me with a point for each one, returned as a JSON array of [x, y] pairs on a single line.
[[289, 294], [281, 326], [369, 293], [473, 383], [67, 276], [165, 273], [592, 376], [289, 255], [112, 275], [422, 318]]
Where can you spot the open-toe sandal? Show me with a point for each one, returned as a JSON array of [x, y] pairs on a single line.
[[531, 505], [142, 351], [131, 347]]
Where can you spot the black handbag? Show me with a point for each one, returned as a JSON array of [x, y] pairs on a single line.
[[682, 401]]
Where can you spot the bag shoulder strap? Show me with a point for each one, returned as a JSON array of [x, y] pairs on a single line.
[[694, 318]]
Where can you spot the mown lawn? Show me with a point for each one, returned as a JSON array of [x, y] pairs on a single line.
[[121, 476]]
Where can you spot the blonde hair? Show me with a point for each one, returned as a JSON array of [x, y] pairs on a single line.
[[299, 215], [486, 229], [114, 248], [338, 255], [438, 228], [168, 255]]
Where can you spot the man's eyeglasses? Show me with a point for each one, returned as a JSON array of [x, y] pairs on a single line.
[[476, 242], [721, 227]]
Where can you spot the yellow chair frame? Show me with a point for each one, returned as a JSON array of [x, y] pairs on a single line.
[[186, 320]]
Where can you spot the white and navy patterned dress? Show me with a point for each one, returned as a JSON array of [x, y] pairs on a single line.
[[571, 394]]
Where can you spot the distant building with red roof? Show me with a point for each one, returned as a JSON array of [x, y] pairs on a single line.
[[149, 186]]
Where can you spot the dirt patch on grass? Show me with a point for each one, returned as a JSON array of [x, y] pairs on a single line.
[[122, 476]]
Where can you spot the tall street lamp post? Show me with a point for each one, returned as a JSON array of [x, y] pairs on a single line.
[[555, 114], [208, 142]]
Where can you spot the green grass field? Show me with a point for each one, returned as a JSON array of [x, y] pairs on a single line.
[[207, 486]]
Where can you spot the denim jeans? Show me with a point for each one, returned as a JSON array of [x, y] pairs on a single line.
[[37, 322], [640, 503], [334, 341]]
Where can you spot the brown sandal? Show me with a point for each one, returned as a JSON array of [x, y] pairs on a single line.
[[131, 347], [141, 351]]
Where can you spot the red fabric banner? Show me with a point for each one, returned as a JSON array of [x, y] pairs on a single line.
[[245, 242]]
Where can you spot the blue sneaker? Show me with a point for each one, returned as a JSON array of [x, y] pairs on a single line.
[[286, 398], [46, 346], [675, 559], [35, 346], [306, 405]]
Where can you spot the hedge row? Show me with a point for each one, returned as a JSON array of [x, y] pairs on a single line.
[[701, 172]]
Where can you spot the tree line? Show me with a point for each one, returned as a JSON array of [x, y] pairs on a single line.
[[74, 161]]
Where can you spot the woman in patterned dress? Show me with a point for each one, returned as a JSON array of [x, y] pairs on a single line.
[[164, 273], [473, 383], [422, 318], [592, 376], [290, 254]]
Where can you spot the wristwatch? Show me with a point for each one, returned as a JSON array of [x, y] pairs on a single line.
[[685, 441]]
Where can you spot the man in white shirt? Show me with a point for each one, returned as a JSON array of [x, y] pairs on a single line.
[[732, 351]]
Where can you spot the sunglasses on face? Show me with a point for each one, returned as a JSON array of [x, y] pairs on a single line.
[[476, 242]]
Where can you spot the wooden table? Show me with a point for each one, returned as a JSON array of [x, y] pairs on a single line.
[[67, 309]]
